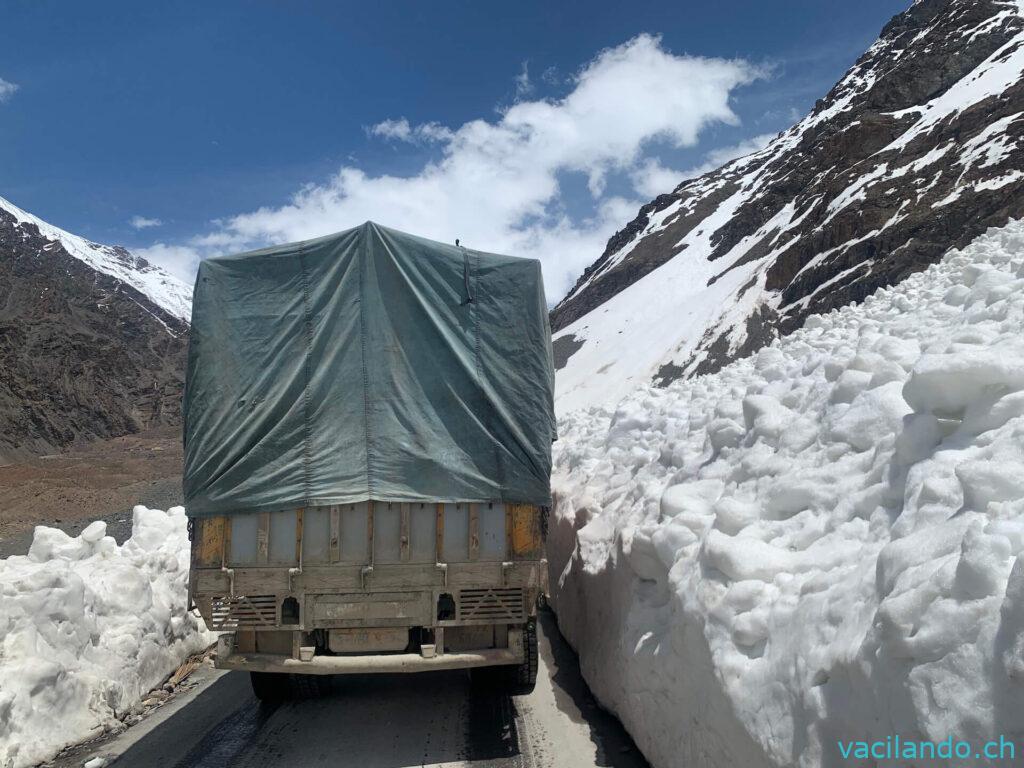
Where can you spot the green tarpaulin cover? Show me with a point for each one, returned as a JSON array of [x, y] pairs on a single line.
[[370, 364]]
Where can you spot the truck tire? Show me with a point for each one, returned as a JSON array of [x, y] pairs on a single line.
[[275, 687], [270, 687], [518, 680], [310, 686], [524, 676]]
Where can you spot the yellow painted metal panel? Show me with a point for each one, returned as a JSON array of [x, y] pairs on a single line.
[[211, 541], [526, 535]]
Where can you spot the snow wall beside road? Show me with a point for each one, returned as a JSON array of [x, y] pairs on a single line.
[[87, 628], [818, 543]]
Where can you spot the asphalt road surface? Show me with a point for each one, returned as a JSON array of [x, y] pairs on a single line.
[[393, 721]]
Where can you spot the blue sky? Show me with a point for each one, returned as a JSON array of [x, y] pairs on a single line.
[[237, 124]]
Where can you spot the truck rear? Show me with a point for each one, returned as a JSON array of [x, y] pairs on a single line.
[[368, 420], [373, 587]]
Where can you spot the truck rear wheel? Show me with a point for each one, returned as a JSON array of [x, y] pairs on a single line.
[[270, 687], [275, 687], [513, 681]]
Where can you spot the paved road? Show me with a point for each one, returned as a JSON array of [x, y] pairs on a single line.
[[375, 721]]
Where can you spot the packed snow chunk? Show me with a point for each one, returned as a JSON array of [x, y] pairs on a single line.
[[992, 413], [52, 543], [901, 351], [921, 434], [850, 384], [984, 564], [690, 499], [985, 481], [742, 558], [87, 628], [766, 417], [733, 514], [820, 542], [94, 532], [788, 495], [725, 433], [642, 555], [872, 416], [945, 384]]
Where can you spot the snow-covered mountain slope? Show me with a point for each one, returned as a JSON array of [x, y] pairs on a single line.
[[916, 149], [89, 627], [92, 340], [820, 542], [166, 291]]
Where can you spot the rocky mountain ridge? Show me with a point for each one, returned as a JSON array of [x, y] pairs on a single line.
[[92, 339], [915, 150]]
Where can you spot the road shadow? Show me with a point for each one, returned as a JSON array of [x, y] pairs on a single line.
[[223, 713], [372, 721], [491, 730], [615, 747]]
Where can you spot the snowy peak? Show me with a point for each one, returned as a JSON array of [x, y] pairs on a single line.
[[916, 149], [166, 291], [92, 339]]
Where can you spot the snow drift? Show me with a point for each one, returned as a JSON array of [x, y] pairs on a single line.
[[819, 542], [87, 627]]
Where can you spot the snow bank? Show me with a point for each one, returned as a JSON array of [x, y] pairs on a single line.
[[817, 543], [88, 627]]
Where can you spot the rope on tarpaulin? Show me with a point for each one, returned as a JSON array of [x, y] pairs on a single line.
[[465, 272]]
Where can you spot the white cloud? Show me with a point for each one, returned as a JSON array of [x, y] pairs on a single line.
[[400, 130], [180, 260], [392, 129], [496, 184], [141, 222], [551, 76], [7, 90], [652, 178], [523, 85]]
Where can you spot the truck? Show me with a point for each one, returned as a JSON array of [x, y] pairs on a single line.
[[368, 420]]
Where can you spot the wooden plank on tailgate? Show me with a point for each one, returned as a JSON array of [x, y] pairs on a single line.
[[335, 534], [526, 535], [474, 532], [440, 533], [263, 539], [210, 552], [403, 543]]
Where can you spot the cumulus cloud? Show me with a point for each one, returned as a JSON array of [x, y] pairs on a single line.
[[182, 261], [141, 222], [7, 90], [499, 184], [651, 178]]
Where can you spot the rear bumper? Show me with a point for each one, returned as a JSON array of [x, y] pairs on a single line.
[[306, 660], [346, 665], [345, 596]]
